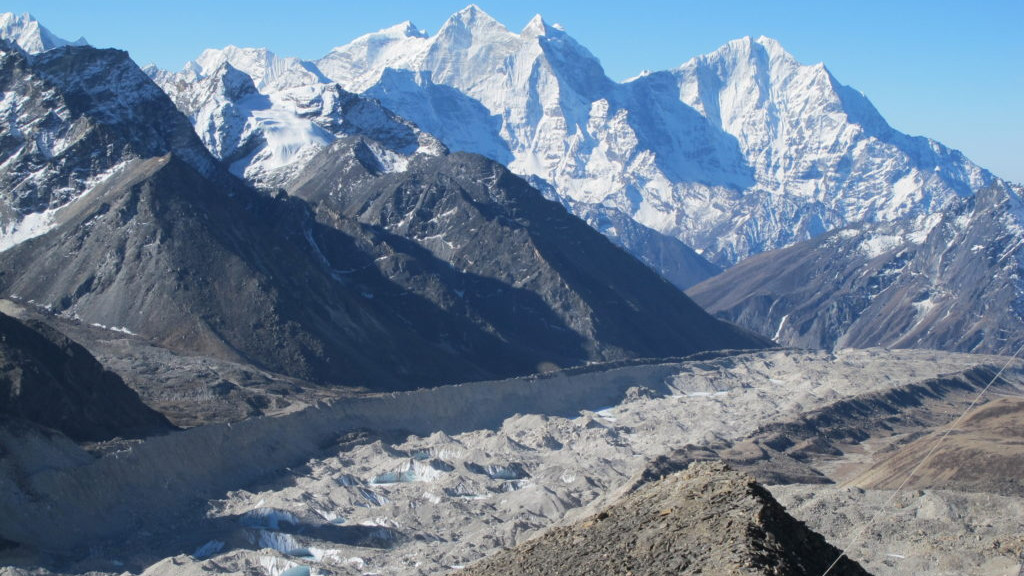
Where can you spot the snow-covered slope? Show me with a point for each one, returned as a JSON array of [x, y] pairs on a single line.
[[949, 280], [736, 152], [818, 145], [267, 116], [27, 33]]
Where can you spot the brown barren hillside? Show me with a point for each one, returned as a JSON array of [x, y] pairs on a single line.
[[985, 453]]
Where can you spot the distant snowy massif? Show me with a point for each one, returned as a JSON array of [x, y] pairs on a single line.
[[736, 152], [732, 154], [385, 262]]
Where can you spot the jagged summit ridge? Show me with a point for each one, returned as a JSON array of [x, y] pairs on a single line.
[[734, 153], [535, 27], [265, 116], [28, 34], [263, 66], [729, 126], [473, 17], [796, 123]]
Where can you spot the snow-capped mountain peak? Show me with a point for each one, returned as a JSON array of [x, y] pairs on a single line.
[[267, 70], [383, 37], [236, 84], [472, 17], [211, 58], [266, 116], [363, 59], [814, 142], [469, 43], [735, 152], [773, 47], [408, 30], [535, 27], [28, 34]]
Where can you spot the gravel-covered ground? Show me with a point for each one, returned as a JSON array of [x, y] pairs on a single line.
[[936, 532]]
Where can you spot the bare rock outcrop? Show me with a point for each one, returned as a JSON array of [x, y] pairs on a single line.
[[707, 519]]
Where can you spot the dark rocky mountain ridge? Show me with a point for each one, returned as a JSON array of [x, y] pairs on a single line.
[[173, 248], [50, 381], [490, 247], [950, 283], [75, 113]]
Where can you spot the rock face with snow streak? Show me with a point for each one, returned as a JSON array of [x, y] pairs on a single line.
[[72, 117], [951, 280]]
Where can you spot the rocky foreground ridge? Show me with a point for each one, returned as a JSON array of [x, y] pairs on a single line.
[[707, 519]]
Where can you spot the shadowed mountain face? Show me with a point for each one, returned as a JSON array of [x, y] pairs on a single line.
[[365, 292], [48, 380], [71, 116], [466, 234], [164, 253], [677, 262], [951, 281]]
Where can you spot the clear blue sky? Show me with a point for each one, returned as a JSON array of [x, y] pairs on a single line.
[[950, 70]]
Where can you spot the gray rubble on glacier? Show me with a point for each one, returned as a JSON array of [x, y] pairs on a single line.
[[408, 485]]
